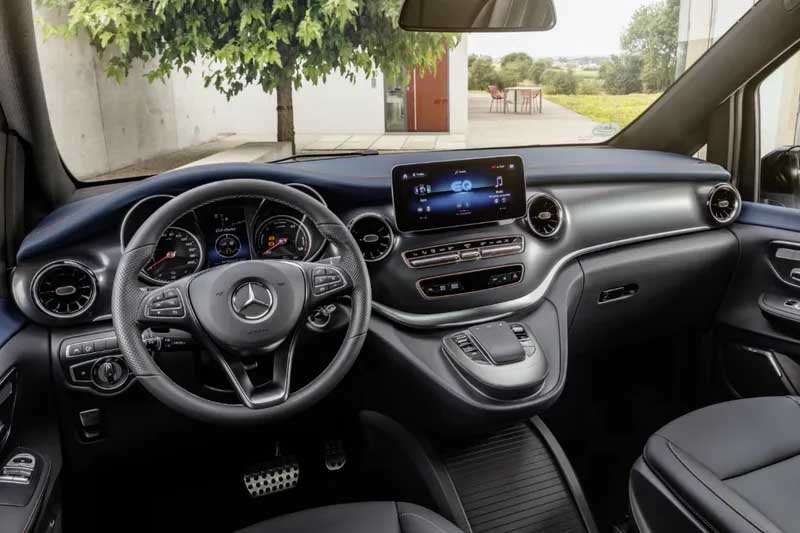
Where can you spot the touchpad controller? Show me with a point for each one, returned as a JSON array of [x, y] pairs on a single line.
[[499, 343], [501, 360]]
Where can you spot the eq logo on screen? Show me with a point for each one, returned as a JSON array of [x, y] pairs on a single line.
[[461, 186]]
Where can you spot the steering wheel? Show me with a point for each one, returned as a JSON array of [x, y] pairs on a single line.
[[250, 309]]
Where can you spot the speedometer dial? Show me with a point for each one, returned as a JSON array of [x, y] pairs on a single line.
[[177, 254], [282, 237]]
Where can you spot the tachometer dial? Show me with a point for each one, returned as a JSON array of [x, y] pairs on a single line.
[[177, 254], [282, 237]]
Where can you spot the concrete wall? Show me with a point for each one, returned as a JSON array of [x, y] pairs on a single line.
[[101, 125]]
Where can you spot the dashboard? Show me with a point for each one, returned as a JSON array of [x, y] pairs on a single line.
[[449, 240], [561, 248]]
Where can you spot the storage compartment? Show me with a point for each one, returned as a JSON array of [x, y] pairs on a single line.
[[642, 290]]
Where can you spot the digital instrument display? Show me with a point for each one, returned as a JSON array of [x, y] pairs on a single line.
[[455, 193], [225, 233]]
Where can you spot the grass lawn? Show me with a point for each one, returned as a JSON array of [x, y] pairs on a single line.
[[587, 73], [621, 109]]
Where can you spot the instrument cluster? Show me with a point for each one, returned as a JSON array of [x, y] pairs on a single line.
[[224, 232]]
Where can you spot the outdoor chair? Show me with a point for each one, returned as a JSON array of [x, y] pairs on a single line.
[[527, 99], [498, 95]]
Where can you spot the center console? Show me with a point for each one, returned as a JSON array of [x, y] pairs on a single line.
[[501, 360]]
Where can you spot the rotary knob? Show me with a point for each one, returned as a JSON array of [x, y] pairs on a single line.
[[109, 373]]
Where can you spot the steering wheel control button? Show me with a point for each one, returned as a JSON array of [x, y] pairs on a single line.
[[327, 280], [165, 304], [251, 301]]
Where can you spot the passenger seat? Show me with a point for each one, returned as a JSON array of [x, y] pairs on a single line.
[[733, 466]]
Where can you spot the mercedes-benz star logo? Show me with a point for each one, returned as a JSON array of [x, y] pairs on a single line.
[[251, 301]]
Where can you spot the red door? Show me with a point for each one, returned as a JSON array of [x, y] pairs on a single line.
[[427, 101]]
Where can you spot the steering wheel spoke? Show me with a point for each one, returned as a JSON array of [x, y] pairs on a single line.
[[251, 395]]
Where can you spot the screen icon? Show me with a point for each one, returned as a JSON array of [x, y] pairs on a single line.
[[461, 186]]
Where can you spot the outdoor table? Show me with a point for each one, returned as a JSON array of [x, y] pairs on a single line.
[[536, 94]]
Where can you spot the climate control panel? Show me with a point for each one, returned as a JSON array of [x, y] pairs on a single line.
[[457, 252]]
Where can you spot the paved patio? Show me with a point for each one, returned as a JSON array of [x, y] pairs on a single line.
[[555, 125]]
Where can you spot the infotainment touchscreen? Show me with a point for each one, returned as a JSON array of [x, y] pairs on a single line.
[[455, 193]]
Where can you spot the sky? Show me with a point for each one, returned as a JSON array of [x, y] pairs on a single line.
[[583, 27]]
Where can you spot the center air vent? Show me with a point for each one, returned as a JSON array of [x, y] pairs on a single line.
[[374, 236], [64, 289], [724, 203], [545, 216]]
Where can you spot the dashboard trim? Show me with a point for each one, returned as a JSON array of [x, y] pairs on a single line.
[[465, 317]]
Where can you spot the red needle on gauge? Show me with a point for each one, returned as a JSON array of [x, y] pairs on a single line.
[[169, 255], [280, 242]]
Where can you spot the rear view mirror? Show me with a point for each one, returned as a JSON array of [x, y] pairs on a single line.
[[478, 15]]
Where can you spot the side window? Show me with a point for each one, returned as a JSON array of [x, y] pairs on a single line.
[[779, 96]]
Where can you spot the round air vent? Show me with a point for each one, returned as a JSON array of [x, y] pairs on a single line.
[[724, 203], [374, 236], [64, 289], [545, 216]]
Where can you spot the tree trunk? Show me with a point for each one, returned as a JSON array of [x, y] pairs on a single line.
[[285, 113]]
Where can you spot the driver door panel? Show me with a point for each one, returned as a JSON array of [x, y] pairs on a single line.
[[28, 430]]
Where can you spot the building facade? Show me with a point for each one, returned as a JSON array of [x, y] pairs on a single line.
[[104, 125]]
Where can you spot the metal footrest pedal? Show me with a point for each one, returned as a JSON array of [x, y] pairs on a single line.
[[277, 476], [335, 455]]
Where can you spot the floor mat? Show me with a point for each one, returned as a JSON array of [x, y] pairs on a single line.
[[515, 481]]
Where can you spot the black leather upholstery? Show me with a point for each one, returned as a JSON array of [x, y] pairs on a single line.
[[734, 466], [365, 517]]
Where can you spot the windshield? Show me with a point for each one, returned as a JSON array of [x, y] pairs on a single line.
[[139, 87]]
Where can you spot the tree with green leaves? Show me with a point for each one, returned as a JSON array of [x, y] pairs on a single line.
[[650, 50], [275, 44], [539, 67], [622, 74], [481, 73], [515, 68], [521, 58], [652, 35]]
